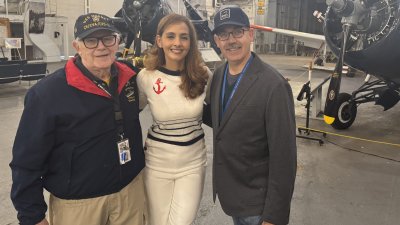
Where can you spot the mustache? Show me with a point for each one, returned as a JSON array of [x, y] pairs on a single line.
[[235, 45]]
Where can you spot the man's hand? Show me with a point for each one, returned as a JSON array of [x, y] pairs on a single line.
[[43, 222], [266, 223]]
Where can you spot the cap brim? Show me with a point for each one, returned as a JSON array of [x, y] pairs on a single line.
[[231, 23], [87, 33]]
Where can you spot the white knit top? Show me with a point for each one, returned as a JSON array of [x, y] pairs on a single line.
[[175, 141]]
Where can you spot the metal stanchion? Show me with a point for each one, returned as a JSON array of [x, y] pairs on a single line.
[[306, 90]]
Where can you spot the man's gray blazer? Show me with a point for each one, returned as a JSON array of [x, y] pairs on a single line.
[[254, 165]]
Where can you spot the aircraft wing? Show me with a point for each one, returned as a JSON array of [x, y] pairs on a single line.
[[310, 40]]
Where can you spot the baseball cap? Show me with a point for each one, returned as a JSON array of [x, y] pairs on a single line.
[[91, 22], [230, 15]]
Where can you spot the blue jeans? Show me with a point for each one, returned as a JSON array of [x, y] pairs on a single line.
[[249, 220]]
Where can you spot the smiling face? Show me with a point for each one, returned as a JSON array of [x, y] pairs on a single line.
[[99, 58], [235, 49], [175, 42]]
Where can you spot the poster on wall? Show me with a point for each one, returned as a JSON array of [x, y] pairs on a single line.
[[36, 11], [12, 43], [4, 30]]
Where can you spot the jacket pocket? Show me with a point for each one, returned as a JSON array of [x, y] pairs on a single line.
[[258, 174], [58, 178]]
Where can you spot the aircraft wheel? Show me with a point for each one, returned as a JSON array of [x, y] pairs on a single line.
[[346, 112]]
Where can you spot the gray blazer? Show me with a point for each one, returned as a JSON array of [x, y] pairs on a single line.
[[254, 165]]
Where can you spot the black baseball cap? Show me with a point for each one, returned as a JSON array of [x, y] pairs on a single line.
[[91, 22], [230, 15]]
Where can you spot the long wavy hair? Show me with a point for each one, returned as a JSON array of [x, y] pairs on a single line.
[[194, 75]]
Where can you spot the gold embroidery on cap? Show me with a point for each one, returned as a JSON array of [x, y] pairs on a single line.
[[95, 18]]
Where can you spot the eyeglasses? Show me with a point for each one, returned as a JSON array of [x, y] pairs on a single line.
[[93, 42], [237, 33]]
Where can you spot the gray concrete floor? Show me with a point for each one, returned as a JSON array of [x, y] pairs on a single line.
[[345, 181]]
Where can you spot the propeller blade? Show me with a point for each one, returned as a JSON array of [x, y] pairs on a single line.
[[202, 26], [334, 85], [193, 14]]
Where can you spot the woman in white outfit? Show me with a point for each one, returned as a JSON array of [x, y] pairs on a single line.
[[173, 84]]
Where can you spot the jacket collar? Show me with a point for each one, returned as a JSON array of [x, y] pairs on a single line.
[[77, 79]]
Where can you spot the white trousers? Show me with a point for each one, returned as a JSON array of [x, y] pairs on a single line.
[[173, 199]]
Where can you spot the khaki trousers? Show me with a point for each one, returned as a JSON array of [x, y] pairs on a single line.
[[126, 207]]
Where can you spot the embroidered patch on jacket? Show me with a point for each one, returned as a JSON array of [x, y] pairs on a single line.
[[130, 91], [158, 86]]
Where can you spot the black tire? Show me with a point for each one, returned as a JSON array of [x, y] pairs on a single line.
[[345, 113]]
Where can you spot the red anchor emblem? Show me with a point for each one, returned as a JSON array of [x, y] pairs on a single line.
[[159, 90]]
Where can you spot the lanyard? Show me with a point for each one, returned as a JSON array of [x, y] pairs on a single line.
[[100, 84], [234, 88], [103, 87], [115, 97], [112, 91]]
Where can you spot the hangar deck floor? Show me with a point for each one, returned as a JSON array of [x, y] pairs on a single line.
[[345, 181]]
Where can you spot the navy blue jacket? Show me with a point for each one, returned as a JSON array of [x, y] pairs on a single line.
[[67, 141]]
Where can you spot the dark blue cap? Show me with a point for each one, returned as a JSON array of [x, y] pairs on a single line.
[[230, 15], [91, 22]]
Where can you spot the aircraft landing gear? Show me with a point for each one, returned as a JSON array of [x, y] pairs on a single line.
[[345, 113]]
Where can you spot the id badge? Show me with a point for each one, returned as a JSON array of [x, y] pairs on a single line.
[[124, 151]]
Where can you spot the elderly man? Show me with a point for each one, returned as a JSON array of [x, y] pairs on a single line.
[[80, 138], [254, 126]]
